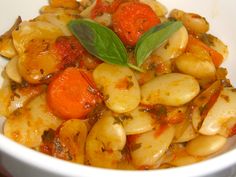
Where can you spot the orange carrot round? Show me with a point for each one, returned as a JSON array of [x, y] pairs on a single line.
[[71, 94], [131, 20]]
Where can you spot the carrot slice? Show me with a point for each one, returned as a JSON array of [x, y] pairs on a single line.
[[131, 20], [217, 58], [71, 95]]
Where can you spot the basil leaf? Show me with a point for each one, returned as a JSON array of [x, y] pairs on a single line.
[[99, 41], [154, 38], [150, 31]]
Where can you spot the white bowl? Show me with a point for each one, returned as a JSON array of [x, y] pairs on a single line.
[[20, 161]]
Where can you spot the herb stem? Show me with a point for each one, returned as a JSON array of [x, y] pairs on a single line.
[[136, 68]]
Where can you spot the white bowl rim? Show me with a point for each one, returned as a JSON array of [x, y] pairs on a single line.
[[64, 168]]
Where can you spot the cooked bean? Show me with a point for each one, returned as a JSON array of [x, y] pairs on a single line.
[[199, 106], [172, 89], [39, 62], [195, 66], [33, 42], [193, 22], [156, 6], [104, 19], [148, 148], [205, 145], [5, 95], [222, 116], [12, 70], [7, 48], [138, 121], [174, 46], [216, 44], [21, 96], [105, 141], [184, 131], [59, 20], [33, 30], [183, 159], [119, 87], [71, 135], [86, 13], [27, 125]]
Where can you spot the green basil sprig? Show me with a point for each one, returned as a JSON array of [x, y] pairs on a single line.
[[154, 38], [101, 42]]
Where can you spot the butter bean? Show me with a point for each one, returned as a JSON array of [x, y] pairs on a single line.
[[205, 145], [12, 70], [193, 22], [138, 122], [105, 141], [172, 89], [27, 125], [119, 87], [174, 46], [149, 147], [222, 116], [195, 66]]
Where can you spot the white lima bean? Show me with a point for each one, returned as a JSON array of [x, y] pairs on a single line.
[[119, 87], [216, 44], [33, 30], [27, 125], [56, 19], [37, 64], [205, 145], [5, 95], [105, 141], [195, 66], [222, 116], [104, 19], [172, 89], [175, 46], [60, 11], [59, 17], [193, 22], [86, 13], [183, 158], [148, 148], [37, 38], [184, 131], [12, 70], [21, 96], [138, 121], [196, 109], [7, 48], [156, 6], [71, 135]]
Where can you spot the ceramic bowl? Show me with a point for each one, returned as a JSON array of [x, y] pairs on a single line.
[[20, 161]]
